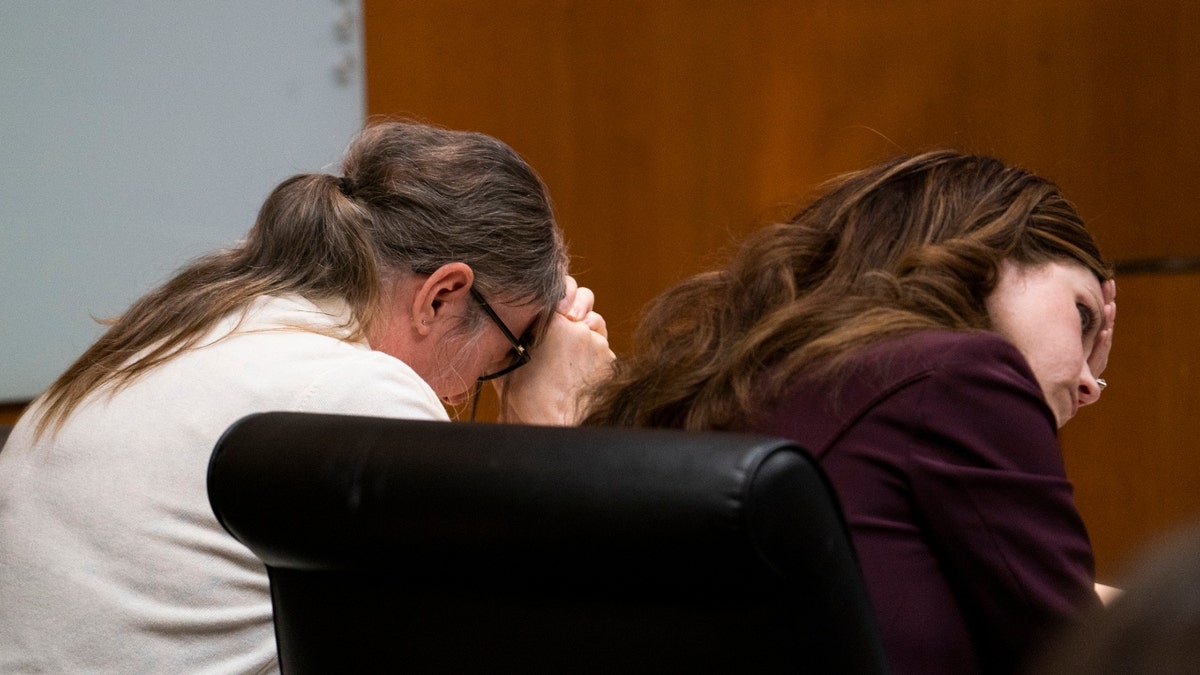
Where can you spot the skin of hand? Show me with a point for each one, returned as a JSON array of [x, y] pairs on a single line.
[[1098, 359], [1107, 593], [573, 354]]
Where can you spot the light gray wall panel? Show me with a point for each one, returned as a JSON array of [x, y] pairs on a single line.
[[136, 135]]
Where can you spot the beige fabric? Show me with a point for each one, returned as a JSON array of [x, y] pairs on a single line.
[[110, 557]]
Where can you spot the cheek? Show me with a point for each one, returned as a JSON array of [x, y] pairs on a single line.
[[452, 368], [494, 350], [1057, 357], [467, 359], [1047, 336]]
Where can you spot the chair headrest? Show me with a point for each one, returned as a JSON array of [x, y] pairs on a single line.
[[340, 492]]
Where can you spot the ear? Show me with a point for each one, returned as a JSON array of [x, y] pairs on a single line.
[[443, 294]]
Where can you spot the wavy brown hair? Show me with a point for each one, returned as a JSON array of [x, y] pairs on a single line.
[[415, 197], [909, 245]]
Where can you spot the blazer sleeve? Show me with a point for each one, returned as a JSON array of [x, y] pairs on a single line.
[[989, 484]]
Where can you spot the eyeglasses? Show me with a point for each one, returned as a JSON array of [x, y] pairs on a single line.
[[520, 351]]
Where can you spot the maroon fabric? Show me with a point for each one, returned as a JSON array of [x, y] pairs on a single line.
[[946, 459]]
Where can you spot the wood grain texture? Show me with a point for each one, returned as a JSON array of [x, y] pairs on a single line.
[[1134, 455], [10, 412], [666, 129]]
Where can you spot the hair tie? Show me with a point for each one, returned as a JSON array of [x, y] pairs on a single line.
[[346, 185]]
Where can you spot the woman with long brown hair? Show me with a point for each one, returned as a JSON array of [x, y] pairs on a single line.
[[431, 264], [923, 328]]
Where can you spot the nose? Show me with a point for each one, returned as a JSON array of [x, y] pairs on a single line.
[[1089, 387]]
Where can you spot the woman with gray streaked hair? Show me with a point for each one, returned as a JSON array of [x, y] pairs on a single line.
[[431, 265]]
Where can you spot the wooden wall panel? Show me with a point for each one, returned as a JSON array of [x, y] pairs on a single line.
[[10, 412], [1134, 455], [666, 128]]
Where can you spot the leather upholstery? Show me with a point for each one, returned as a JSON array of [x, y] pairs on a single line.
[[455, 547]]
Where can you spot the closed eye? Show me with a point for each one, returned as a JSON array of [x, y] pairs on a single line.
[[1087, 319]]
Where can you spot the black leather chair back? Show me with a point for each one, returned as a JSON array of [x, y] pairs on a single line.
[[409, 546]]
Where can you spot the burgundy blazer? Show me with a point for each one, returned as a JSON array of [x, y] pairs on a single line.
[[946, 459]]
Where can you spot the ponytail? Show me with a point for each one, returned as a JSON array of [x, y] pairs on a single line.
[[314, 238], [411, 198], [308, 239]]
